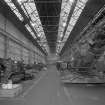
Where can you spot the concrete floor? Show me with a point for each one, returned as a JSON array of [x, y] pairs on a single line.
[[85, 94], [50, 91]]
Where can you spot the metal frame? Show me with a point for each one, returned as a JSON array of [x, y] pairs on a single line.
[[28, 13], [73, 14]]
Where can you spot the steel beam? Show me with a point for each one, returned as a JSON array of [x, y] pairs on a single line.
[[43, 1]]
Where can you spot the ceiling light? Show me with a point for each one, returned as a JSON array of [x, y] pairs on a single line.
[[19, 1], [33, 24], [71, 1], [61, 35], [64, 24]]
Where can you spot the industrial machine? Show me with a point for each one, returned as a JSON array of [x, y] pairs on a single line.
[[87, 61], [13, 70], [17, 71]]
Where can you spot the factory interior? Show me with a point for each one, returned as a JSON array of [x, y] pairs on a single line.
[[52, 52]]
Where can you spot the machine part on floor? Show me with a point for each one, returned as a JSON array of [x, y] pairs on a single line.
[[8, 92]]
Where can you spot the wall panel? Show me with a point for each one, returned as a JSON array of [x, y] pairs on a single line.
[[14, 50], [26, 55], [2, 46]]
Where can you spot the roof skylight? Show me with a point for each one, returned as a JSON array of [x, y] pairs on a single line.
[[29, 8], [75, 16]]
